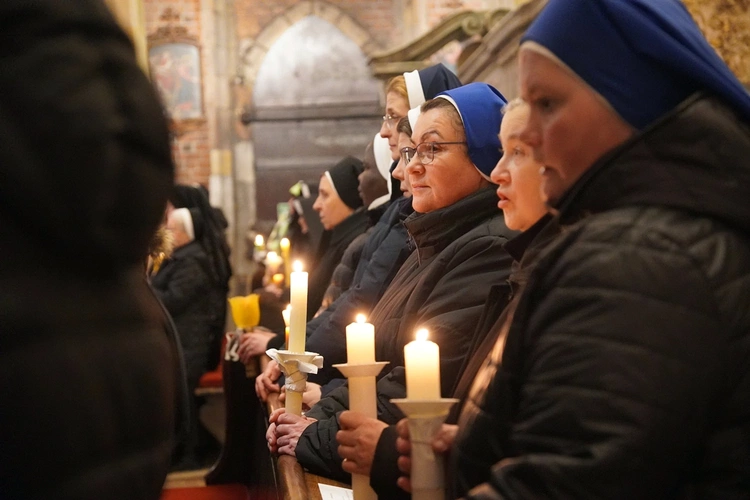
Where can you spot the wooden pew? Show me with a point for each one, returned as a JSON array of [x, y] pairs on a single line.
[[292, 481]]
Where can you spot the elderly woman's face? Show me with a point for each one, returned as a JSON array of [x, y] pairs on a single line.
[[451, 175], [569, 126], [518, 175]]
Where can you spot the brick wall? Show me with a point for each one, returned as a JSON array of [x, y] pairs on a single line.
[[191, 150]]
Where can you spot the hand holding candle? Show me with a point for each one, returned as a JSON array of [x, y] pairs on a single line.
[[422, 361]]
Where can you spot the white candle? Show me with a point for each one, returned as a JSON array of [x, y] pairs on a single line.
[[298, 314], [422, 361], [360, 342]]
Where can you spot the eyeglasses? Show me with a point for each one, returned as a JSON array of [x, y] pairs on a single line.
[[424, 151], [390, 121]]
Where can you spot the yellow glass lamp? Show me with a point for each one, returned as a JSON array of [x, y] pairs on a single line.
[[245, 310]]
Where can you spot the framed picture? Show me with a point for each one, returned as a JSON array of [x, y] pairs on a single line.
[[175, 65], [176, 72]]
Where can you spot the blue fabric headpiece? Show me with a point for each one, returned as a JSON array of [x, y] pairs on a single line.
[[479, 106], [426, 83], [643, 56]]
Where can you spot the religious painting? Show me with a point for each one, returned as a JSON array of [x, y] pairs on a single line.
[[176, 73]]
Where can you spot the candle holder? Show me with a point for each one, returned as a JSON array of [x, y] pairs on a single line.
[[295, 366], [363, 399], [427, 469]]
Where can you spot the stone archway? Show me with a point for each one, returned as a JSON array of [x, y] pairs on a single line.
[[310, 100]]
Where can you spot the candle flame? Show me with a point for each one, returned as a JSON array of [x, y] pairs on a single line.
[[287, 314], [422, 334], [272, 256], [259, 240], [361, 318], [297, 266], [284, 243]]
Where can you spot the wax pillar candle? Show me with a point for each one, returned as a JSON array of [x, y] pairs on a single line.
[[284, 245], [360, 342], [422, 362], [298, 314]]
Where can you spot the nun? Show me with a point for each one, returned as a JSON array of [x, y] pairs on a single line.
[[458, 235], [623, 370]]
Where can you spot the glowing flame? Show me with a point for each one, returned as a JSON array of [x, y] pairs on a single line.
[[297, 266], [287, 314], [422, 334], [361, 318], [284, 243], [259, 240]]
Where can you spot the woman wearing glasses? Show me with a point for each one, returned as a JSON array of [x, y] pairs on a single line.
[[457, 234]]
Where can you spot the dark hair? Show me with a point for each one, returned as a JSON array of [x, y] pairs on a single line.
[[404, 126], [449, 109]]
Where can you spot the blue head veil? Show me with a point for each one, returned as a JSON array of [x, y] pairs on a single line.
[[479, 106], [643, 56]]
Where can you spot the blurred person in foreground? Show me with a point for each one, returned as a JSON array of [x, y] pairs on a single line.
[[88, 406], [622, 371]]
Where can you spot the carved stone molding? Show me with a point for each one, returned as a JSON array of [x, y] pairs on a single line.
[[415, 55], [726, 25]]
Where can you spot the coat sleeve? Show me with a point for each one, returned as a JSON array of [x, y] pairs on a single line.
[[84, 147], [619, 377]]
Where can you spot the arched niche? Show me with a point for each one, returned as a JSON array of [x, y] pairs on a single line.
[[314, 101], [314, 64]]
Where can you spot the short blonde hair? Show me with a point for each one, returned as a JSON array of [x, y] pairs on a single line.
[[397, 84]]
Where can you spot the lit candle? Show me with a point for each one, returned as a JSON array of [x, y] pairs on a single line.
[[422, 361], [286, 315], [284, 245], [273, 261], [360, 342], [259, 242], [298, 314]]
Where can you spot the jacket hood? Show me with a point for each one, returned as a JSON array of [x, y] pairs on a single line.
[[693, 159]]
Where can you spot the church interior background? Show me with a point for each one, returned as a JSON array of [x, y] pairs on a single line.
[[263, 93]]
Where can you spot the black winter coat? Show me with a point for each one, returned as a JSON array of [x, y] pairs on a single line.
[[332, 248], [185, 287], [442, 286], [624, 372], [343, 275], [86, 369], [385, 472], [384, 251]]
